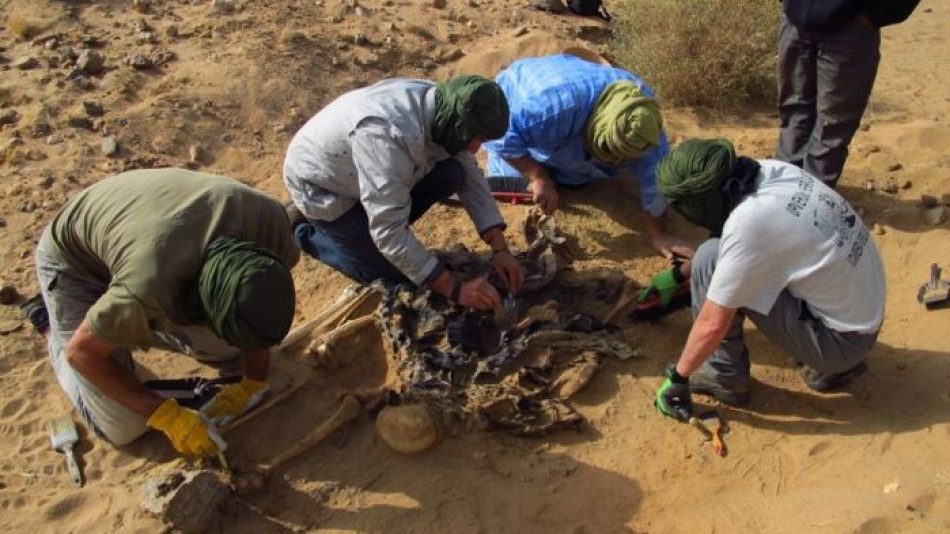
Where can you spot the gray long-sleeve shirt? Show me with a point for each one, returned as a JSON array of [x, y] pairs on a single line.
[[372, 146]]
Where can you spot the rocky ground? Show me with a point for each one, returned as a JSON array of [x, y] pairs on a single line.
[[88, 89]]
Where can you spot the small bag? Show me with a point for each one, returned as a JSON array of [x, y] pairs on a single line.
[[589, 8]]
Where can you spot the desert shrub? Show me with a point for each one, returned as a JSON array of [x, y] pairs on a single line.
[[715, 53]]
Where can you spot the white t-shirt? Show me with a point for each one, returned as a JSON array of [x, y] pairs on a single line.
[[796, 233]]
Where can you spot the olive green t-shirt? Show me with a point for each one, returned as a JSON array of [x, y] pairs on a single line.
[[143, 234]]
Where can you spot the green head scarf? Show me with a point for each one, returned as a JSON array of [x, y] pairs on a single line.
[[466, 106], [247, 294], [691, 178], [624, 124]]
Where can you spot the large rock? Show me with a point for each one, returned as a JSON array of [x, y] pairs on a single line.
[[186, 501], [90, 62]]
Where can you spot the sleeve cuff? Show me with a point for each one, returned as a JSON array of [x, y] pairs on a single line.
[[436, 271]]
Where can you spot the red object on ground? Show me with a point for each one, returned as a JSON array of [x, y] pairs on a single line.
[[514, 198]]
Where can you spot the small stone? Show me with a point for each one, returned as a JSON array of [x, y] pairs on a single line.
[[360, 39], [79, 122], [935, 216], [28, 207], [8, 116], [139, 62], [90, 62], [878, 229], [3, 222], [222, 6], [519, 31], [40, 129], [146, 37], [45, 182], [894, 167], [110, 146], [911, 507], [361, 11], [8, 294], [869, 185], [9, 327], [890, 187], [439, 4], [26, 63], [171, 31], [194, 154], [892, 487], [907, 184], [427, 64], [54, 140], [452, 54], [901, 366], [928, 201], [865, 126], [280, 128], [93, 109], [472, 25]]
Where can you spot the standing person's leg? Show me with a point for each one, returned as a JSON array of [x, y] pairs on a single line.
[[847, 66], [797, 90], [830, 358], [725, 375], [345, 243], [68, 296]]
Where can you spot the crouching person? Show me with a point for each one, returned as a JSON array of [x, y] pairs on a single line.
[[168, 258], [789, 253], [370, 164]]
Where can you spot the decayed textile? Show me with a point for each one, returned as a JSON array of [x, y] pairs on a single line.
[[511, 372]]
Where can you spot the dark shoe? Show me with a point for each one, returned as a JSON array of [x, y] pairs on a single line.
[[706, 385], [35, 311], [824, 382]]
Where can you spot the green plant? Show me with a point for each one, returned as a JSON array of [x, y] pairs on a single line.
[[715, 53]]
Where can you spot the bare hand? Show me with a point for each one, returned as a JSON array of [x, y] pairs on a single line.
[[509, 270], [671, 246], [544, 193], [479, 294]]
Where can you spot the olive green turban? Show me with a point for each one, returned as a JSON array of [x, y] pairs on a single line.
[[466, 106], [624, 124], [247, 294], [691, 178]]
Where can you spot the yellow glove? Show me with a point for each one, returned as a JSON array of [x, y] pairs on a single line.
[[188, 431], [234, 400]]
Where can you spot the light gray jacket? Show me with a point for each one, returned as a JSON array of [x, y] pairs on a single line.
[[372, 146]]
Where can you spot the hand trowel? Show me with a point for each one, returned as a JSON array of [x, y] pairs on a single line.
[[62, 436]]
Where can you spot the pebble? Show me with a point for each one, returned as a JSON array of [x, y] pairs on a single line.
[[93, 109], [935, 216], [894, 167], [222, 6], [109, 145], [54, 140], [142, 6], [360, 39], [892, 487], [90, 62], [928, 201], [439, 4], [8, 294], [907, 184], [139, 62], [194, 153], [40, 129], [3, 222], [45, 182], [26, 63], [8, 116], [427, 64], [878, 229], [79, 122], [171, 31], [519, 31], [869, 185], [890, 187]]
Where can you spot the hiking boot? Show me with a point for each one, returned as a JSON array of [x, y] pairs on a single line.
[[705, 384], [35, 311], [824, 382]]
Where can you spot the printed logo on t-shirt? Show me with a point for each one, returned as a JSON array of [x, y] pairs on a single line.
[[832, 216]]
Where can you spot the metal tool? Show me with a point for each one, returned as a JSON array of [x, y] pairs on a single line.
[[935, 291], [62, 436]]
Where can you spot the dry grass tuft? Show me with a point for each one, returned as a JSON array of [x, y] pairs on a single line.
[[714, 53]]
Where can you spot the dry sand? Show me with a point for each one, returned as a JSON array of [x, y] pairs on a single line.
[[872, 459]]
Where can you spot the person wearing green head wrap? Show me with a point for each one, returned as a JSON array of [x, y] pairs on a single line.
[[575, 121], [788, 253], [364, 169], [188, 262]]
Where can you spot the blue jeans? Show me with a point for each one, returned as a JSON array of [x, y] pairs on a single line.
[[345, 242]]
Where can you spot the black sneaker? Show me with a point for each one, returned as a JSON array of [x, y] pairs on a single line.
[[706, 385], [35, 311], [824, 382]]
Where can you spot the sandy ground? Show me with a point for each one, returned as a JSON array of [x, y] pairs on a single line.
[[872, 459]]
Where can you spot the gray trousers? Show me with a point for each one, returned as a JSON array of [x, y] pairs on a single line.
[[824, 82], [68, 296], [788, 324]]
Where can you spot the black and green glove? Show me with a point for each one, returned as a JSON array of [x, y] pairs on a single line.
[[673, 398], [663, 285]]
